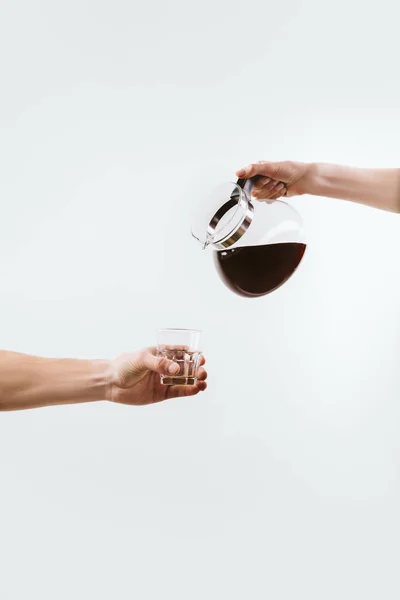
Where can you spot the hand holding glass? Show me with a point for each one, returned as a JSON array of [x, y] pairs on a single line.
[[183, 347]]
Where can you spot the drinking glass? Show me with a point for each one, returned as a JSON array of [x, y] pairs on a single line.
[[183, 347]]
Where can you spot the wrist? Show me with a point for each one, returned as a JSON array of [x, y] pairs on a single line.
[[101, 382], [332, 181], [315, 179]]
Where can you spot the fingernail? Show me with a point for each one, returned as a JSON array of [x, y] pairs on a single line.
[[279, 187], [173, 368], [241, 172]]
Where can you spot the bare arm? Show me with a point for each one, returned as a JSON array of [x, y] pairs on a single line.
[[134, 378], [379, 188], [30, 382]]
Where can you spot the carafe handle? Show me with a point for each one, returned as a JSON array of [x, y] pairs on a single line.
[[248, 184]]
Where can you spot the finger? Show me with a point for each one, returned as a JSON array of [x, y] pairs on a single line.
[[264, 168], [158, 364], [202, 375], [274, 189], [203, 360], [261, 182], [248, 171], [267, 189], [183, 391], [279, 191], [201, 386]]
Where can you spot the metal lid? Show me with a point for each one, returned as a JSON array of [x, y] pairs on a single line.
[[240, 225], [230, 219]]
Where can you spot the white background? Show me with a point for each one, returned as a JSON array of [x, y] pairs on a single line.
[[282, 481]]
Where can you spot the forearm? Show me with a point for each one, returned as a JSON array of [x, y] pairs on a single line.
[[29, 382], [379, 188]]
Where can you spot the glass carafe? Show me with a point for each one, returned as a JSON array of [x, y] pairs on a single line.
[[256, 247]]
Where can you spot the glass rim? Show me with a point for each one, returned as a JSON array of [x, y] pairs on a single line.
[[178, 330]]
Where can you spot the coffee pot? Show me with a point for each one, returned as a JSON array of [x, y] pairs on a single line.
[[256, 247]]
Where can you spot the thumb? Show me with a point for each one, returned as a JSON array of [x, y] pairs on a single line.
[[274, 170], [159, 364]]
